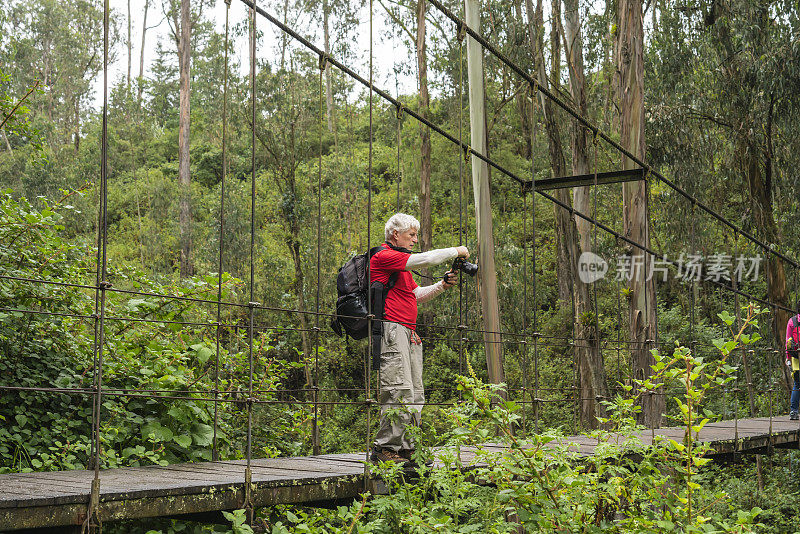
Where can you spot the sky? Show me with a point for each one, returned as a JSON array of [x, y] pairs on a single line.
[[383, 63]]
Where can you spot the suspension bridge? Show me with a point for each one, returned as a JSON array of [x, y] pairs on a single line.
[[199, 491], [86, 498]]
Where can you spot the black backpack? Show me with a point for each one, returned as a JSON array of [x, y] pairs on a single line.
[[352, 308]]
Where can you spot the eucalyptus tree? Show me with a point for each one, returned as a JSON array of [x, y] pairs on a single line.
[[629, 53], [182, 18], [60, 44], [724, 97]]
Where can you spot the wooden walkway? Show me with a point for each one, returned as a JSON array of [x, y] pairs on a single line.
[[55, 499]]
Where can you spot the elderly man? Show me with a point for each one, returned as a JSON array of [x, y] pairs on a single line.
[[401, 347]]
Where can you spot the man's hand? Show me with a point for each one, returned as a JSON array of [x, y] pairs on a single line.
[[450, 279], [463, 252]]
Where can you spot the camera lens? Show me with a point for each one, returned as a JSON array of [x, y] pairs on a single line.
[[470, 268]]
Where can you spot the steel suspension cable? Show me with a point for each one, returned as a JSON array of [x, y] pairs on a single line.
[[215, 445], [248, 503], [315, 385], [371, 318], [536, 401], [462, 318], [595, 214], [93, 521], [399, 142]]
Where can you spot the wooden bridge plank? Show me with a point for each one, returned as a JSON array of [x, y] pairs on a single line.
[[61, 497]]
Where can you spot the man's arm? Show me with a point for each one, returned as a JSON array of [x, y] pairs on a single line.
[[426, 293], [435, 257]]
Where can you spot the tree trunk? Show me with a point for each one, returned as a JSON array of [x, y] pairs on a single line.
[[487, 275], [593, 381], [284, 37], [558, 165], [140, 84], [577, 85], [77, 109], [128, 42], [5, 138], [184, 55], [328, 80], [523, 106], [294, 249], [426, 237], [768, 229], [630, 87]]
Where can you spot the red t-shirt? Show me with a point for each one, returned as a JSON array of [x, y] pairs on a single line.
[[400, 305]]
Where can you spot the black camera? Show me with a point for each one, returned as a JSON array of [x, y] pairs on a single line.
[[460, 264]]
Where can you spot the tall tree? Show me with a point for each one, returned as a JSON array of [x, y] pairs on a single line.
[[140, 79], [558, 164], [577, 85], [280, 126], [128, 44], [630, 96], [328, 81], [182, 28], [571, 289], [593, 380], [759, 71], [426, 220]]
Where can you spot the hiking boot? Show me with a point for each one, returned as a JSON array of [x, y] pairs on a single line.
[[408, 454], [794, 415], [382, 454]]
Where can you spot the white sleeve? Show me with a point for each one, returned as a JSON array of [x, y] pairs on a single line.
[[426, 293], [431, 258]]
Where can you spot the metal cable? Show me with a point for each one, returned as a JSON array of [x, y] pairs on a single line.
[[214, 448]]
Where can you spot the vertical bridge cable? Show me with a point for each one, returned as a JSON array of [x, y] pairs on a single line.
[[651, 395], [215, 447], [368, 401], [693, 341], [248, 476], [93, 521], [462, 319], [315, 386], [525, 333], [598, 342], [536, 335]]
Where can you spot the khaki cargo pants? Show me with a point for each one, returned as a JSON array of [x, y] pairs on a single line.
[[401, 391]]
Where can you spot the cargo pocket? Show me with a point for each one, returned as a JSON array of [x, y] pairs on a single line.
[[392, 372]]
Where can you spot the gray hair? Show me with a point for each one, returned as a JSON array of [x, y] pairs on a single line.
[[401, 223]]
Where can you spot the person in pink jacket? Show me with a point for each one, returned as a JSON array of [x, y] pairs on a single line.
[[792, 353]]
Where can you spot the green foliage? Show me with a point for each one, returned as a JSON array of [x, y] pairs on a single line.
[[162, 348], [542, 483], [719, 89]]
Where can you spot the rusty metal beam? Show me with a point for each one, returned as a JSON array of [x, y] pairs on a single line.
[[579, 180]]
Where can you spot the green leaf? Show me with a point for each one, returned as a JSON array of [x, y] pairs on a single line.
[[21, 419], [203, 354], [182, 440], [202, 434], [726, 317]]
